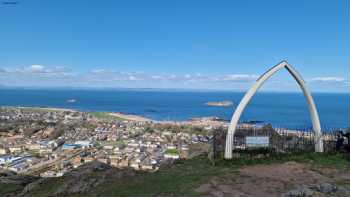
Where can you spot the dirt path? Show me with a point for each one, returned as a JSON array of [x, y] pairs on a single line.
[[269, 180]]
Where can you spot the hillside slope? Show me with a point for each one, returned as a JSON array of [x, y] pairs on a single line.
[[198, 177]]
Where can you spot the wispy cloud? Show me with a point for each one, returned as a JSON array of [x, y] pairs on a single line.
[[141, 76], [36, 69], [239, 77], [41, 75], [37, 74], [330, 83], [328, 79]]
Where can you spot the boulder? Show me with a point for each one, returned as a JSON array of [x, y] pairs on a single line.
[[343, 191], [327, 188]]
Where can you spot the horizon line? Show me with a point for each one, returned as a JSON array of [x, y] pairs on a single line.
[[150, 89]]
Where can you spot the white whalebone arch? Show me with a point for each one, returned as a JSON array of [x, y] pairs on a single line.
[[247, 97]]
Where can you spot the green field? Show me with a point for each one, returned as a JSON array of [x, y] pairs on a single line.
[[106, 116], [172, 152]]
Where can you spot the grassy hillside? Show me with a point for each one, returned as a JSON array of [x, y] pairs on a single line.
[[180, 179], [7, 188]]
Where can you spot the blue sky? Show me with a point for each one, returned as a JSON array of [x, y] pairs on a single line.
[[174, 44]]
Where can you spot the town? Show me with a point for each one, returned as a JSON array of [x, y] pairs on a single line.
[[51, 142]]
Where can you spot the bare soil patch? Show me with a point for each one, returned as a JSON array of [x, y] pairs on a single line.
[[270, 180]]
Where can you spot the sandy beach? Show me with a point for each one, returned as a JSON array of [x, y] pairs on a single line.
[[131, 117]]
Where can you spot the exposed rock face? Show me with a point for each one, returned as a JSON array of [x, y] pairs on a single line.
[[303, 191], [12, 178], [32, 185], [327, 188]]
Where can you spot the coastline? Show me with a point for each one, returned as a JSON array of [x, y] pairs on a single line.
[[132, 117], [41, 108], [198, 121], [120, 115]]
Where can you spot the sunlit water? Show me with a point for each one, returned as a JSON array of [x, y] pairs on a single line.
[[280, 109]]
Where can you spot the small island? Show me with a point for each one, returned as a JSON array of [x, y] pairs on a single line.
[[219, 104]]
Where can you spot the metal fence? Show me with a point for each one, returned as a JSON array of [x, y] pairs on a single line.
[[279, 140]]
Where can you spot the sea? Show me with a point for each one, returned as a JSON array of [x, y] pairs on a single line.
[[287, 110]]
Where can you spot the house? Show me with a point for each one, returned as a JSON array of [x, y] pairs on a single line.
[[171, 147], [83, 144], [15, 149], [115, 157], [184, 148], [33, 147], [133, 144], [5, 159], [135, 165], [88, 159], [108, 147], [48, 174], [44, 151], [123, 163], [103, 160], [18, 167], [3, 151], [147, 167], [76, 162], [129, 150], [114, 162], [139, 158], [32, 161], [171, 156]]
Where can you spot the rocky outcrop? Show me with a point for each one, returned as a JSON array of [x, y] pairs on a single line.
[[80, 180], [322, 189], [9, 177]]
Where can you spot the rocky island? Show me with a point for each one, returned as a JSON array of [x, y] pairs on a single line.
[[219, 104]]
